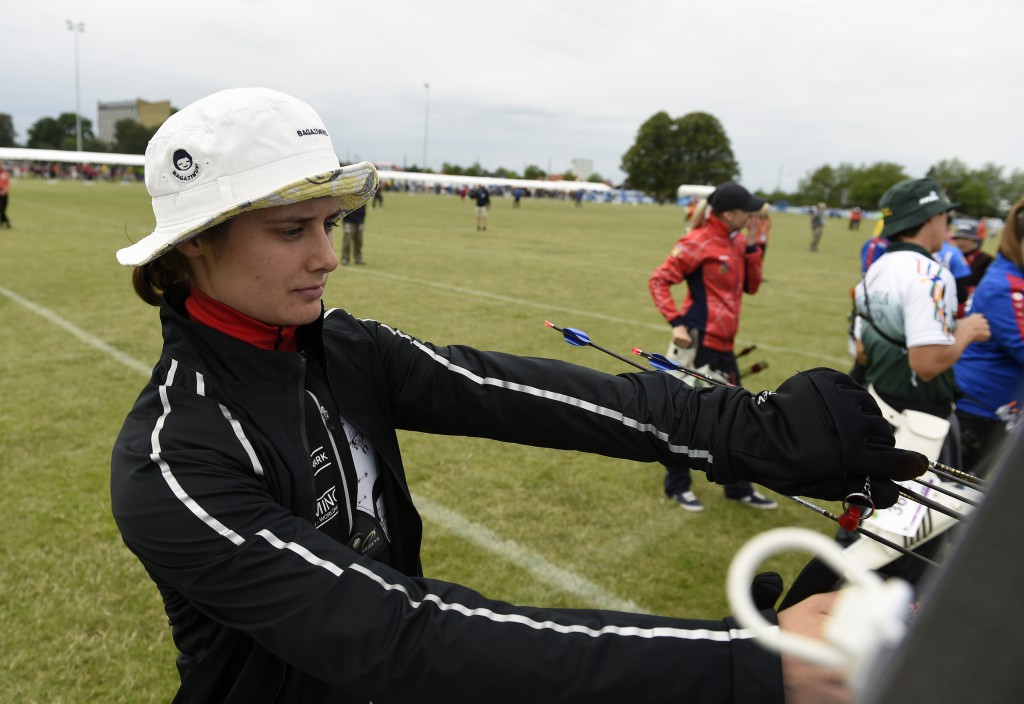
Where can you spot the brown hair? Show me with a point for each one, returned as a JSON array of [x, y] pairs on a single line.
[[171, 270], [1013, 235]]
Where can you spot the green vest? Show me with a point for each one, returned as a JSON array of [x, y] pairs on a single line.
[[888, 362]]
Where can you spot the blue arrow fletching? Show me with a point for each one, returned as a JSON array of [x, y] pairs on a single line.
[[662, 363], [576, 338]]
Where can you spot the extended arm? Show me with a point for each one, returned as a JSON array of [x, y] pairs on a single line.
[[245, 578], [818, 435]]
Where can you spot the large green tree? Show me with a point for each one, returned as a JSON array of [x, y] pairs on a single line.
[[131, 137], [534, 172], [979, 192], [1011, 191], [951, 174], [869, 183], [819, 186], [7, 133], [669, 152], [59, 133], [502, 172], [847, 184]]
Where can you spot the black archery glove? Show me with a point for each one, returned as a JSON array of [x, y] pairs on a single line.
[[819, 435]]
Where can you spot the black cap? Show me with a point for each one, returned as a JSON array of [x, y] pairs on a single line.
[[733, 196]]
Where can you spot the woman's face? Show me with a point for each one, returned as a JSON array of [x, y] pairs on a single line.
[[735, 219], [965, 245], [272, 264]]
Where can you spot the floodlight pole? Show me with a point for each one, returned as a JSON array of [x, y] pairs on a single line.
[[426, 124], [77, 28]]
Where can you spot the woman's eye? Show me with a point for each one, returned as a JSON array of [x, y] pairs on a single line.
[[294, 232]]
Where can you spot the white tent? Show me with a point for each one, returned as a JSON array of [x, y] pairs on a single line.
[[696, 191]]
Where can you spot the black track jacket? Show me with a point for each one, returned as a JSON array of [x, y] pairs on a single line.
[[212, 490]]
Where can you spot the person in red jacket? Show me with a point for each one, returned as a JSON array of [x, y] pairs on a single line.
[[856, 215], [5, 189], [719, 267], [982, 228]]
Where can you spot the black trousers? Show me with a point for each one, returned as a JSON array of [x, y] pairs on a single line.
[[678, 479]]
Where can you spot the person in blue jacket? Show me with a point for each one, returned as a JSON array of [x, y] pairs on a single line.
[[872, 249], [990, 374]]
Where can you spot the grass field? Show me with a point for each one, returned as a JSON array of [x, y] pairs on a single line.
[[79, 619]]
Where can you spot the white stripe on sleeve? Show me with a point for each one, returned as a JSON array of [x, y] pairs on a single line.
[[168, 475]]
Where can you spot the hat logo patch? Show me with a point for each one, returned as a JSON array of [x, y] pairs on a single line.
[[312, 131], [184, 166], [930, 198]]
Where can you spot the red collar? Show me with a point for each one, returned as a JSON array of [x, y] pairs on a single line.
[[212, 313]]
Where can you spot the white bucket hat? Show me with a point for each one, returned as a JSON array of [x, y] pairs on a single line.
[[239, 150]]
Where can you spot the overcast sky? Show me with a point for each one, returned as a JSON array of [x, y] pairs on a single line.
[[795, 83]]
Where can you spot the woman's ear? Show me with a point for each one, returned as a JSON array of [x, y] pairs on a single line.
[[190, 248]]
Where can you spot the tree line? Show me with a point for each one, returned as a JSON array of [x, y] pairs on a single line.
[[531, 172], [986, 191], [666, 153], [130, 137], [695, 149]]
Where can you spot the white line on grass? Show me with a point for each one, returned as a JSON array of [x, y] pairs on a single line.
[[520, 556], [81, 215], [842, 362], [543, 571], [82, 335]]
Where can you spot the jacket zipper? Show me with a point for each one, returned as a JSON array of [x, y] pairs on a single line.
[[325, 418]]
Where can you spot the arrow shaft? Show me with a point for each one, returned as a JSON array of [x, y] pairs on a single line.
[[860, 529], [585, 340], [619, 357], [939, 469], [955, 474], [947, 492], [933, 505], [684, 370]]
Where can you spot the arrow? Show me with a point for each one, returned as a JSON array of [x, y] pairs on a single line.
[[664, 364], [755, 368], [956, 475], [859, 529], [933, 505], [947, 492], [578, 338]]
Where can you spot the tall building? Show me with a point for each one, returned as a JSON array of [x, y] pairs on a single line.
[[144, 112], [583, 168]]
